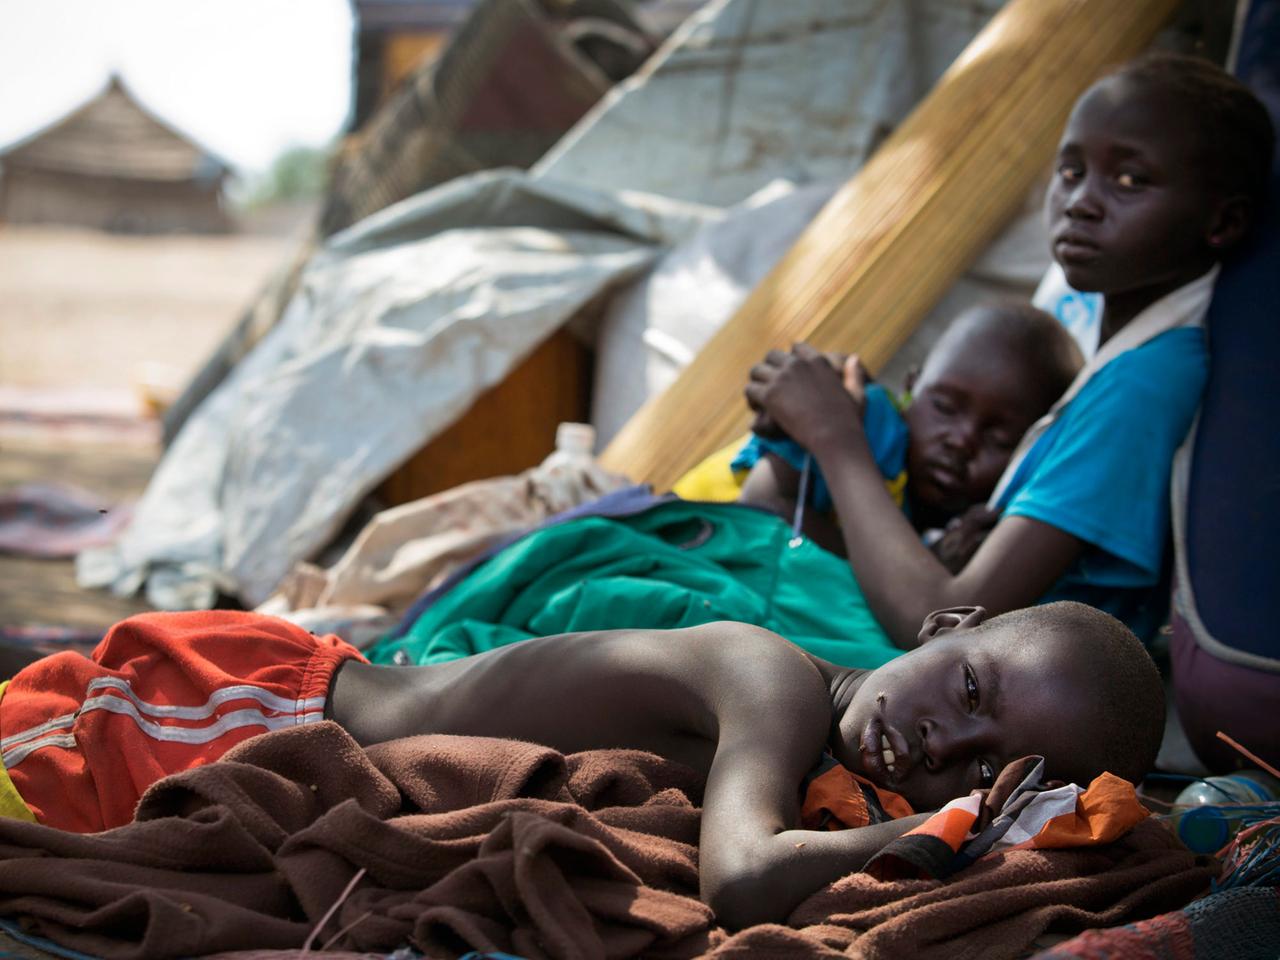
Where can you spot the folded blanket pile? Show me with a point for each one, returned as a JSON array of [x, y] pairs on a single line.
[[466, 843], [655, 564]]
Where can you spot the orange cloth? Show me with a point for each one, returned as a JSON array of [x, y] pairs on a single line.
[[1020, 812], [837, 799], [1104, 812], [81, 738]]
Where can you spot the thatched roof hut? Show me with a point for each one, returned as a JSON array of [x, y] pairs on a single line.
[[113, 165]]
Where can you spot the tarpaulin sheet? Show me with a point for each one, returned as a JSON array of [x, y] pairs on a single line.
[[398, 325], [747, 97]]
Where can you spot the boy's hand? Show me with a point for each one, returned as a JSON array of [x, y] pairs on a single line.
[[854, 376], [964, 535], [763, 425], [805, 394]]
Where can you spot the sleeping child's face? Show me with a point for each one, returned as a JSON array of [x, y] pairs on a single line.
[[971, 404]]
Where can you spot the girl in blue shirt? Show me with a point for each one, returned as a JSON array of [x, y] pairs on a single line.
[[1158, 173]]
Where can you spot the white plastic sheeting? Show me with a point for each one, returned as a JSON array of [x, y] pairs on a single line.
[[655, 327], [747, 96], [751, 91], [400, 323]]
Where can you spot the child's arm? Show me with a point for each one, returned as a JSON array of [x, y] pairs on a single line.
[[964, 535], [753, 868], [794, 865], [902, 580], [774, 485]]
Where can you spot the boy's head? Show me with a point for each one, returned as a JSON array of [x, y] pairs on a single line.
[[1159, 171], [1062, 680], [994, 372]]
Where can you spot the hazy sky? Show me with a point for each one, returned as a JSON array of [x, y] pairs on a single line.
[[246, 78]]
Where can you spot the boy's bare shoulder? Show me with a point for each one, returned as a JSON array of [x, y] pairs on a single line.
[[727, 651], [715, 647]]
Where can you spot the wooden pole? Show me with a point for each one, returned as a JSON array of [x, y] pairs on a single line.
[[897, 235]]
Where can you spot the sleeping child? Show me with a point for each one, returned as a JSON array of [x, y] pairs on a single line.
[[84, 737], [994, 372]]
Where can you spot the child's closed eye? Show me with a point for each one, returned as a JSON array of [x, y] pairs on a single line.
[[1001, 439]]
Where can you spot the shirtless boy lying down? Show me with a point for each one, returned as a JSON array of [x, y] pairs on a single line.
[[82, 738]]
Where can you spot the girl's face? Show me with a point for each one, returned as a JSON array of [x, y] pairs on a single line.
[[1130, 210]]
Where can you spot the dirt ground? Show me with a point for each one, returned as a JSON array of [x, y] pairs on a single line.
[[86, 318], [87, 309]]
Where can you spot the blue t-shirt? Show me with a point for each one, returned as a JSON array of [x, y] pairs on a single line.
[[1101, 473], [886, 434]]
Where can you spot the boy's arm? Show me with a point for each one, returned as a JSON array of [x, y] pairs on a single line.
[[753, 868], [963, 536], [772, 709], [902, 580]]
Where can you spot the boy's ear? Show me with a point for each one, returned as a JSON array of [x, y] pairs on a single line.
[[952, 618], [1230, 222]]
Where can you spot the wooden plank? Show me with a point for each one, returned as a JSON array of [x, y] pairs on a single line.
[[895, 237], [509, 428]]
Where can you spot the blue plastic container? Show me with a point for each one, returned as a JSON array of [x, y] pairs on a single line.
[[1208, 826]]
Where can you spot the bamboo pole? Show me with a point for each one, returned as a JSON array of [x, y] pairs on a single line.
[[897, 235]]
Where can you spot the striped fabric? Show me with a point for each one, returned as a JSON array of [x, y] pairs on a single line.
[[270, 713], [82, 738], [1019, 812]]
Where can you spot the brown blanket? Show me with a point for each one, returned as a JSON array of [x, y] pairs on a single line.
[[460, 843]]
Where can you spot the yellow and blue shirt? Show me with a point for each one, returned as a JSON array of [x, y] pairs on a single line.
[[719, 478]]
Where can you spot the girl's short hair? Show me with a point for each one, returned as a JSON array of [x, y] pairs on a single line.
[[1234, 128]]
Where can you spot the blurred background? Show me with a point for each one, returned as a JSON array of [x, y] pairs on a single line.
[[160, 159], [165, 171], [199, 202]]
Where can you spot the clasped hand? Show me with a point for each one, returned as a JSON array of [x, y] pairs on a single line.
[[806, 395]]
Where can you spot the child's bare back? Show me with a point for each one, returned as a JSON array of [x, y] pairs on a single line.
[[674, 693]]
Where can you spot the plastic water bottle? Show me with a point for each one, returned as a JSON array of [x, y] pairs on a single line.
[[1207, 827], [574, 443]]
